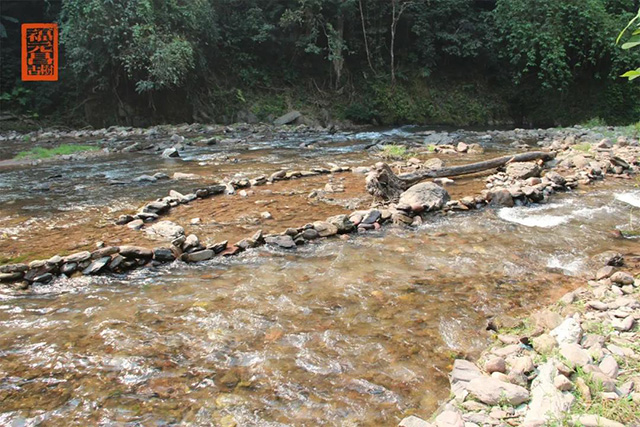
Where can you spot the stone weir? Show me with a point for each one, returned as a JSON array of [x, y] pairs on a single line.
[[519, 184]]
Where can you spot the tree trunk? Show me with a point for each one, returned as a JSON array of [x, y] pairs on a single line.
[[383, 183]]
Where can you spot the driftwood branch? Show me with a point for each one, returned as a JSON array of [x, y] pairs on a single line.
[[382, 182]]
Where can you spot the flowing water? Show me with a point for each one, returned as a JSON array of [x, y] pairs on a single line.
[[360, 331]]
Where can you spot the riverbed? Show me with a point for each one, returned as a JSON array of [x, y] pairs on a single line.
[[357, 331]]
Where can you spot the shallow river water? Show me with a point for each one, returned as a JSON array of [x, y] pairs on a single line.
[[356, 332]]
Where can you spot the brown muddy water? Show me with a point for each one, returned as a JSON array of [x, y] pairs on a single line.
[[357, 332]]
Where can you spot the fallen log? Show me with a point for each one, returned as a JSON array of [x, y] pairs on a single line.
[[383, 183]]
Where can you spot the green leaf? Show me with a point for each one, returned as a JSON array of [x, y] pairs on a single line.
[[627, 27], [633, 74]]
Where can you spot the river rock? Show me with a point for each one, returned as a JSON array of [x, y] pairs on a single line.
[[500, 198], [587, 420], [136, 224], [14, 268], [78, 257], [427, 195], [569, 332], [103, 252], [136, 252], [622, 278], [123, 219], [96, 266], [609, 366], [145, 178], [182, 175], [544, 343], [310, 234], [157, 207], [575, 355], [163, 254], [556, 178], [562, 383], [493, 392], [220, 246], [43, 278], [325, 229], [605, 272], [413, 421], [287, 118], [612, 258], [522, 365], [282, 241], [623, 325], [68, 268], [547, 402], [462, 373], [449, 418], [190, 242], [342, 223], [170, 153], [166, 229], [495, 364], [198, 256], [10, 277], [523, 170]]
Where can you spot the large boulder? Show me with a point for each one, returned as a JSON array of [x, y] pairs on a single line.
[[547, 402], [291, 116], [523, 170], [492, 391], [425, 196]]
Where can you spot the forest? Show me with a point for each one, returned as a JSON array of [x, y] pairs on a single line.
[[449, 62]]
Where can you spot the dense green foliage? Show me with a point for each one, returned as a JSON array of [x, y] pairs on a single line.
[[398, 61], [634, 41]]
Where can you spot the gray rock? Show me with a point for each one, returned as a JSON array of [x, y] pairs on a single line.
[[623, 325], [13, 268], [556, 178], [220, 246], [156, 207], [562, 383], [198, 256], [371, 216], [427, 195], [123, 219], [287, 118], [145, 178], [136, 252], [166, 230], [96, 266], [622, 278], [163, 254], [493, 392], [136, 224], [77, 257], [449, 418], [103, 252], [462, 373], [342, 222], [325, 229], [500, 198], [544, 343], [523, 170], [68, 268], [310, 234], [10, 277], [43, 278], [191, 242], [282, 241], [605, 272], [170, 153]]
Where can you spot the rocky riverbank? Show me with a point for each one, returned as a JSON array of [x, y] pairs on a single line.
[[575, 363]]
